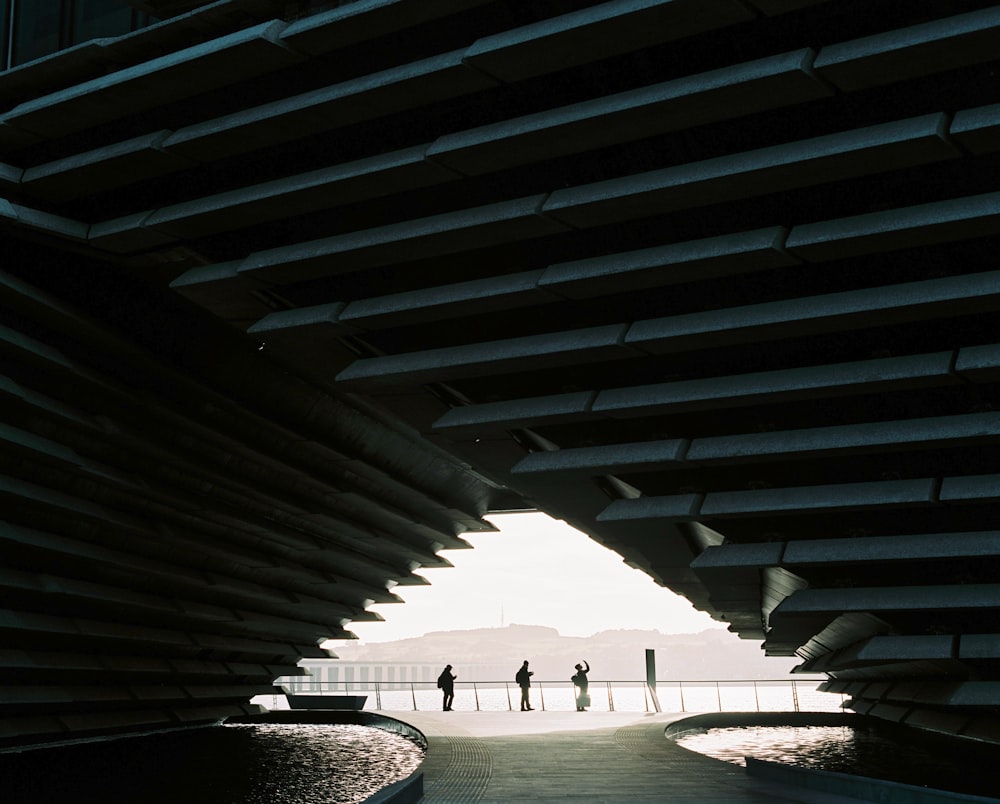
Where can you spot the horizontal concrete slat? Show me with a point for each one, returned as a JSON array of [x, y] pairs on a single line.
[[419, 83], [669, 508], [879, 306], [60, 629], [45, 223], [10, 176], [978, 130], [98, 57], [126, 234], [514, 354], [127, 162], [891, 598], [870, 376], [835, 497], [223, 290], [517, 413], [441, 302], [721, 94], [157, 160], [61, 67], [462, 299], [906, 53], [979, 364], [845, 439], [774, 502], [342, 184], [674, 263], [743, 251], [614, 458], [244, 556], [867, 376], [718, 566], [88, 596], [817, 161], [286, 327], [47, 356], [598, 32], [316, 30], [448, 233], [210, 65], [15, 394], [971, 489], [103, 169], [15, 441], [145, 570], [905, 648], [162, 164], [917, 547], [353, 23], [965, 693], [903, 227], [979, 646]]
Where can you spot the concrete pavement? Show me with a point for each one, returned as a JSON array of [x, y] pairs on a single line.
[[611, 757]]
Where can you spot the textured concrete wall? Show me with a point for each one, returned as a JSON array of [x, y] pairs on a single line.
[[713, 281]]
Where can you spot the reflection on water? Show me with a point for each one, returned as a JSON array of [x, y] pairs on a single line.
[[233, 764], [845, 749]]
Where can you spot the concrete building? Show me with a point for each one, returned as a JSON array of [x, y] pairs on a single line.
[[294, 293]]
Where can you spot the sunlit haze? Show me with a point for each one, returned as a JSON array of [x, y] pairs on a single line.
[[534, 571]]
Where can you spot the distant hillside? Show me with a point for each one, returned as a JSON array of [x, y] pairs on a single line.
[[613, 655]]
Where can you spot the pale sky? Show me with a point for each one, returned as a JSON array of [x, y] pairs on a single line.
[[535, 571]]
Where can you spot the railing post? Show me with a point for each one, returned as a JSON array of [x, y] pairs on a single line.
[[541, 694], [795, 695], [611, 699], [506, 685], [475, 692], [718, 695], [756, 698], [413, 695], [378, 695], [680, 687]]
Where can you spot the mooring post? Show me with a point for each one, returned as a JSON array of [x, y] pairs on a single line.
[[651, 677]]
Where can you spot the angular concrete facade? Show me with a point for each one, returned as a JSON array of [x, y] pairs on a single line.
[[295, 293]]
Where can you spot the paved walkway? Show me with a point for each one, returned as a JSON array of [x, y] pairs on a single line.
[[613, 757]]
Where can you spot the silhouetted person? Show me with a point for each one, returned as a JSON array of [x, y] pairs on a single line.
[[581, 683], [446, 682], [523, 679]]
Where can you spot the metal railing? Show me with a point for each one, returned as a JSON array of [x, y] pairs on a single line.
[[750, 695]]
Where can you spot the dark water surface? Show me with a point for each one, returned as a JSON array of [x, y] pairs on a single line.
[[942, 765], [232, 764]]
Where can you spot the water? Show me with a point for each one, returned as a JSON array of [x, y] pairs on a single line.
[[941, 764], [231, 764]]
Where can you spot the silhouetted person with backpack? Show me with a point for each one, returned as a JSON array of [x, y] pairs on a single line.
[[523, 679], [446, 683], [579, 679]]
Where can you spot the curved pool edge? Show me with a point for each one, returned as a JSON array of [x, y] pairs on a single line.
[[816, 780], [863, 788], [724, 720], [408, 790]]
